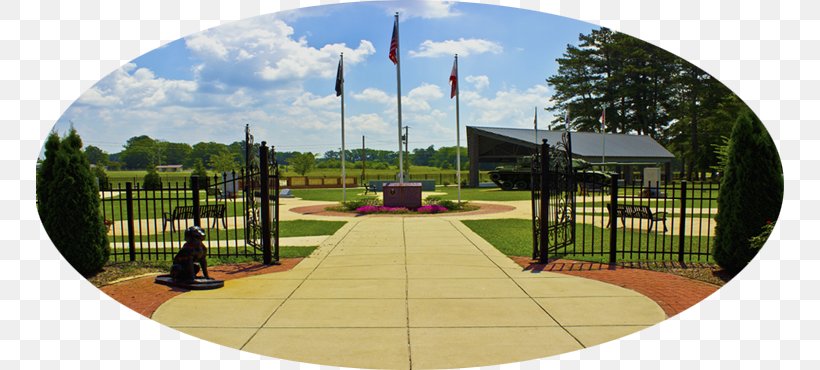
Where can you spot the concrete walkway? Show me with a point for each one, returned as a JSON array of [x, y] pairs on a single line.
[[409, 292]]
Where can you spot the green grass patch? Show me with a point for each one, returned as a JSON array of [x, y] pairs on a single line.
[[309, 227], [289, 228], [513, 237], [491, 194], [330, 195]]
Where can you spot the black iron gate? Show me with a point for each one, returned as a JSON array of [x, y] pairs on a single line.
[[553, 199], [261, 227], [237, 210]]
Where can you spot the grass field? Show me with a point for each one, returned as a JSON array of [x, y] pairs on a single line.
[[513, 237]]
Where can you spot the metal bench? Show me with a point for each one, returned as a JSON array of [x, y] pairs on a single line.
[[212, 211], [370, 189], [636, 211]]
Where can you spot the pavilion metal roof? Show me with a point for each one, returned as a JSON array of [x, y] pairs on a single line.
[[585, 144]]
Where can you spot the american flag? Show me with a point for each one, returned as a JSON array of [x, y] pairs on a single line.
[[603, 120], [394, 42]]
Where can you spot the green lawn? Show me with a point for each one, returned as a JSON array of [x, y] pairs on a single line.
[[513, 237], [330, 195], [152, 204], [290, 228], [491, 194]]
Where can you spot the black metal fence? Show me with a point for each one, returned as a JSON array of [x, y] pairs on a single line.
[[233, 209], [645, 222]]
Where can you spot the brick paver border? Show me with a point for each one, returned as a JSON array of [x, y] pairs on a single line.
[[673, 293]]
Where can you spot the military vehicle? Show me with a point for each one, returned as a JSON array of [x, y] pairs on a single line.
[[517, 175], [513, 176]]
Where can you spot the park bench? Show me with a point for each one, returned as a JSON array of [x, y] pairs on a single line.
[[213, 211], [623, 211], [370, 188]]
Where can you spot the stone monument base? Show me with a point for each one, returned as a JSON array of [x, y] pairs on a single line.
[[196, 284]]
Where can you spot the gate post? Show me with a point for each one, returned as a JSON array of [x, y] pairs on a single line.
[[682, 229], [543, 252], [275, 207], [264, 203], [534, 199], [129, 212], [613, 220], [195, 199]]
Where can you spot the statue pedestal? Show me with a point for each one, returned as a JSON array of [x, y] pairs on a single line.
[[196, 284]]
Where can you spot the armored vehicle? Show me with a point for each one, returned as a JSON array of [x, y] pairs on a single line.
[[517, 175]]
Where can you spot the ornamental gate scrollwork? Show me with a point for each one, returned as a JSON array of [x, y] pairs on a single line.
[[553, 198]]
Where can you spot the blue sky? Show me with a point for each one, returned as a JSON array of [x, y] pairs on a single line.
[[276, 72]]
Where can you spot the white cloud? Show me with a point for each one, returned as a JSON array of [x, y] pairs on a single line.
[[426, 91], [478, 82], [418, 99], [310, 100], [509, 107], [462, 46], [264, 47], [421, 9], [369, 122], [373, 95], [240, 98], [138, 87]]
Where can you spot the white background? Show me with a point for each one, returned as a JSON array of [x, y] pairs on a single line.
[[767, 51]]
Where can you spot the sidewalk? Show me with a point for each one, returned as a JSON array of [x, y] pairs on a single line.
[[409, 292]]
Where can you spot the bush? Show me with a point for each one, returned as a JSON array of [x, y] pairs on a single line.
[[758, 241], [199, 171], [152, 179], [751, 193], [446, 203], [355, 204], [432, 199], [69, 204]]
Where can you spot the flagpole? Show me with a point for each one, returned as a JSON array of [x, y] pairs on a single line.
[[535, 132], [344, 175], [458, 135], [603, 136], [398, 99]]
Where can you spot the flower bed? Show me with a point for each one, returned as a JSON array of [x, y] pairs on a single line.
[[366, 206], [381, 209], [432, 208], [428, 209]]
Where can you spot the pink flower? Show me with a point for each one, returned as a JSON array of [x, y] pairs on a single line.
[[367, 209], [432, 208]]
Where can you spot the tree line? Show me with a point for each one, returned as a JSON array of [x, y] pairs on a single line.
[[644, 90], [143, 152]]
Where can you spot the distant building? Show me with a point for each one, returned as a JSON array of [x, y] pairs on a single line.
[[504, 145], [169, 168]]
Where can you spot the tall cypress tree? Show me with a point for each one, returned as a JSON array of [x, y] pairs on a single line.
[[69, 204], [751, 192]]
